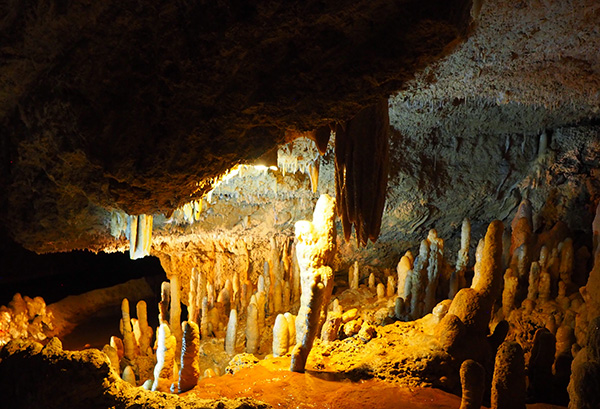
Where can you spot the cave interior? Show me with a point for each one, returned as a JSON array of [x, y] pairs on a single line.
[[300, 204]]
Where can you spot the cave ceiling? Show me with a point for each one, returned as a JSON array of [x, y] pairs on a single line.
[[121, 105]]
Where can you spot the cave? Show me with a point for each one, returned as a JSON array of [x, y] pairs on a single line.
[[300, 204]]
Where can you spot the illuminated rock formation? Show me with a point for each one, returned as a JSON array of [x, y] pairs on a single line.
[[252, 329], [314, 250], [165, 359], [140, 235], [231, 335], [189, 372], [129, 344], [281, 336], [472, 379], [508, 384]]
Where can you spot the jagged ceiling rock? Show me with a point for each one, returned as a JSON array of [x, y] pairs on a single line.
[[111, 106], [129, 105]]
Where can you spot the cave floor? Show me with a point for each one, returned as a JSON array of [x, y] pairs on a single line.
[[273, 383]]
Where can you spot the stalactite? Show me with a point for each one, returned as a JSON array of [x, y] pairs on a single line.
[[140, 235], [361, 164]]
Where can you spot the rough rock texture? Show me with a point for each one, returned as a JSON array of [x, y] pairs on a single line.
[[35, 376], [131, 106]]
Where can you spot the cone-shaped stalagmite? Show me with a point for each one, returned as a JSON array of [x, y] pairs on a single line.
[[252, 330], [127, 332], [508, 384], [281, 335], [189, 371], [230, 338], [472, 379], [165, 359]]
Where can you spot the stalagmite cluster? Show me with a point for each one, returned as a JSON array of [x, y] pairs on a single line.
[[517, 326], [361, 166], [25, 317]]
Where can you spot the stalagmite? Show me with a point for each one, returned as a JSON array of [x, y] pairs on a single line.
[[127, 332], [380, 291], [372, 281], [511, 283], [315, 250], [307, 322], [353, 276], [193, 311], [204, 332], [566, 261], [544, 286], [434, 270], [296, 289], [129, 376], [399, 308], [291, 320], [113, 357], [457, 279], [472, 379], [403, 269], [189, 371], [277, 298], [391, 287], [231, 337], [117, 344], [252, 332], [146, 332], [165, 302], [261, 303], [419, 281], [540, 364], [473, 306], [477, 267], [585, 371], [508, 384], [534, 281], [165, 359], [281, 336], [175, 313]]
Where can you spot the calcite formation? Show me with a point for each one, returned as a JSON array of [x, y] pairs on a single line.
[[315, 250]]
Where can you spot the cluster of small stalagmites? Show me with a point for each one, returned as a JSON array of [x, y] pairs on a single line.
[[132, 356], [174, 364], [424, 281], [542, 315], [25, 318]]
